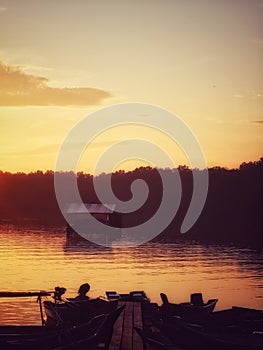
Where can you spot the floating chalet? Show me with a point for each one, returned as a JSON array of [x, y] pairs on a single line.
[[104, 213]]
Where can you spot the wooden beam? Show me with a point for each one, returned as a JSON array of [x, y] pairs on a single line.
[[137, 322], [127, 327], [116, 338], [124, 336], [23, 294]]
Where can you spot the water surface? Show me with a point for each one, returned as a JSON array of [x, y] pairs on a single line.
[[42, 258]]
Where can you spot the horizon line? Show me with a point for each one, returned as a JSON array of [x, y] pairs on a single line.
[[179, 167]]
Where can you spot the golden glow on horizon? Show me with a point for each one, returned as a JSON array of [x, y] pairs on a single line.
[[200, 60], [123, 134]]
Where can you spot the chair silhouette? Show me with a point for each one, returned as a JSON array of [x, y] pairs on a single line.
[[164, 298], [197, 299]]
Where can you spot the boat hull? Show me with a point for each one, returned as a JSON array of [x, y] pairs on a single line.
[[187, 309], [232, 329], [75, 313]]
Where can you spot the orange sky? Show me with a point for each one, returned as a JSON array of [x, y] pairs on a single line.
[[62, 60]]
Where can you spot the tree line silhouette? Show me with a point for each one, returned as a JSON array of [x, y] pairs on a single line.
[[232, 213]]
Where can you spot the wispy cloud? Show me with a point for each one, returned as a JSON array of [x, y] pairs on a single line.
[[229, 121], [53, 148], [238, 96], [3, 9], [256, 121], [20, 89], [27, 69], [235, 121], [249, 94], [41, 150]]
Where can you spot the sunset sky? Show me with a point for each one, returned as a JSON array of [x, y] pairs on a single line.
[[63, 59]]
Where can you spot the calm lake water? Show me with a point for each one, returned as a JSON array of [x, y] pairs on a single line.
[[40, 259]]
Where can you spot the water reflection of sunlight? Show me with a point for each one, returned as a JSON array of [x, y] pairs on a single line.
[[42, 259]]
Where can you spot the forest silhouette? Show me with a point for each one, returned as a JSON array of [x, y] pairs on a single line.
[[232, 213]]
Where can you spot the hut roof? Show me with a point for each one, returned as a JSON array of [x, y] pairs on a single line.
[[93, 208]]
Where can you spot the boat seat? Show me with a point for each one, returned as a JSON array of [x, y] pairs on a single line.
[[112, 295], [164, 298], [197, 299]]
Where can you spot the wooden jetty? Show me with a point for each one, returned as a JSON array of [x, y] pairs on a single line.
[[136, 314]]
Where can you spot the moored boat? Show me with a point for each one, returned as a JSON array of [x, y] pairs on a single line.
[[194, 307], [223, 339], [97, 332], [232, 329], [73, 311]]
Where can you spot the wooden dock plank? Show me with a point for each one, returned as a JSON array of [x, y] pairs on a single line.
[[137, 312], [127, 327], [124, 336], [137, 322], [116, 338]]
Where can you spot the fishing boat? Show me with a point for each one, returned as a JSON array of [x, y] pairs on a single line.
[[224, 339], [195, 306], [93, 334], [75, 312], [232, 329], [96, 334]]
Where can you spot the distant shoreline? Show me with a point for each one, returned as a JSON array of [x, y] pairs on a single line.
[[232, 213]]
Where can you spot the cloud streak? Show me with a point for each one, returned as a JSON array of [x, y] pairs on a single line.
[[20, 89], [257, 121], [53, 148], [42, 150]]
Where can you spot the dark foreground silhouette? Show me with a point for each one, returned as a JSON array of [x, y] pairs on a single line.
[[109, 323], [232, 213]]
